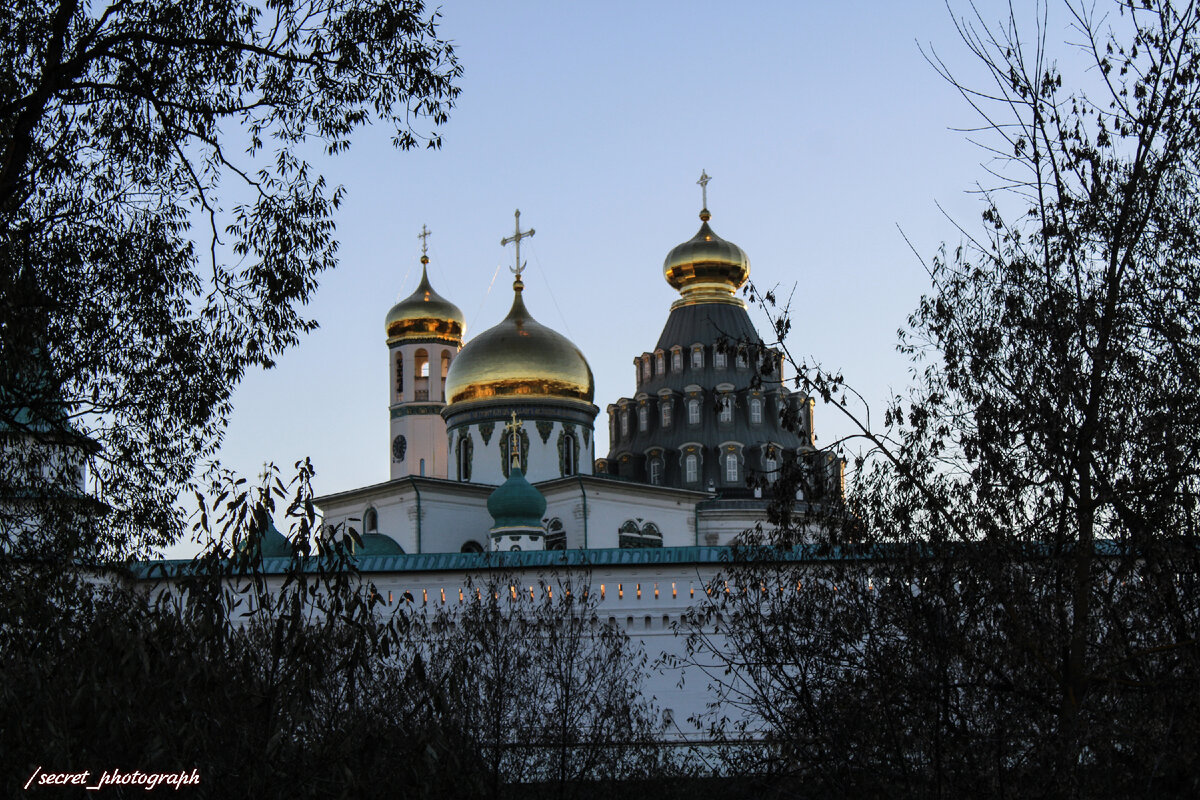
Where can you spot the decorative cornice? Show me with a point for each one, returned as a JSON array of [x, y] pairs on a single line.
[[410, 409]]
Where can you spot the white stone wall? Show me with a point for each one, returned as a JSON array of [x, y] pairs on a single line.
[[420, 517]]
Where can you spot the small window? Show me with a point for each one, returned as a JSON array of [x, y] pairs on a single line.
[[646, 369], [568, 455], [399, 374], [624, 423], [371, 521], [698, 358], [731, 468], [660, 363], [742, 361], [719, 359], [770, 466], [726, 409], [656, 471], [666, 413], [422, 363], [690, 464], [445, 363], [643, 418], [556, 537], [677, 360], [464, 459], [755, 410], [693, 411]]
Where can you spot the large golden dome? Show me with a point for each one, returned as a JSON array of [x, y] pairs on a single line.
[[706, 268], [519, 359], [425, 315]]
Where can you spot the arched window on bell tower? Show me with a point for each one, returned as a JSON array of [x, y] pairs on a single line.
[[421, 374], [445, 370]]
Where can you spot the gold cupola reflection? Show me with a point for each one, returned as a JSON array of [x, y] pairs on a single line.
[[706, 268], [425, 316], [519, 359]]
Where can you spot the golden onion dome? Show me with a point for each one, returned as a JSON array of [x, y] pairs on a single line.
[[706, 268], [425, 315], [519, 358]]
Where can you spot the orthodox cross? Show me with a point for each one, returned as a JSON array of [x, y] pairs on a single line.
[[704, 179], [517, 236], [514, 440], [424, 237]]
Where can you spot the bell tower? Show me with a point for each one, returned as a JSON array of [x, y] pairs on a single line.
[[424, 334]]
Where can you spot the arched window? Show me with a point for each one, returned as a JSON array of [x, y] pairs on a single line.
[[755, 410], [742, 360], [731, 468], [691, 471], [726, 414], [422, 466], [420, 375], [624, 423], [665, 403], [646, 368], [399, 375], [697, 357], [693, 411], [656, 471], [660, 363], [466, 450], [445, 362], [556, 537], [643, 418], [568, 454], [370, 521], [677, 360], [770, 465], [631, 535], [719, 358]]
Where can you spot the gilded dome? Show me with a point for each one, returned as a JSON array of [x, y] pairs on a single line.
[[519, 358], [425, 315], [706, 268]]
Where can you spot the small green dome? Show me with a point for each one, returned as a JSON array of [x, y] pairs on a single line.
[[270, 543], [516, 503], [378, 544]]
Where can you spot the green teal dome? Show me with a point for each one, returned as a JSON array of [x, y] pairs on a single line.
[[516, 503], [270, 543], [378, 544]]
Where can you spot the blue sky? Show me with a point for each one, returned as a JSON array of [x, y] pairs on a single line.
[[823, 127]]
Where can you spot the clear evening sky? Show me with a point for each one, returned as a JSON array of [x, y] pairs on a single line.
[[825, 131]]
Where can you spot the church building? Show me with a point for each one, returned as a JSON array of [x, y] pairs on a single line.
[[492, 439]]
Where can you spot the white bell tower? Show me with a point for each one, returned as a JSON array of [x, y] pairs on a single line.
[[424, 334]]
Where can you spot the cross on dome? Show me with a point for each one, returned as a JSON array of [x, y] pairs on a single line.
[[424, 237], [704, 179], [513, 429], [517, 236]]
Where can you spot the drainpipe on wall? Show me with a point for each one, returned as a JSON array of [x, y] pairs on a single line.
[[417, 489], [583, 491]]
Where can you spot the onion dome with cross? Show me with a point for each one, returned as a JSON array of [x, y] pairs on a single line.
[[706, 268], [523, 365], [425, 314]]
